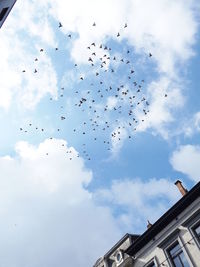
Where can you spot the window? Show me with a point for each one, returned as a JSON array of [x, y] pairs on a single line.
[[152, 264], [3, 12], [177, 256], [196, 230]]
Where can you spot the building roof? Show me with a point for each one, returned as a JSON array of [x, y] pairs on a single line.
[[164, 220], [120, 242]]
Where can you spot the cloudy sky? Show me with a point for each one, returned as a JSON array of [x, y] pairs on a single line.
[[95, 127]]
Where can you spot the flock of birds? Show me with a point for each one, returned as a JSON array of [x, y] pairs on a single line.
[[107, 99]]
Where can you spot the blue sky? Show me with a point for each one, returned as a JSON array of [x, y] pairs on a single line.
[[86, 179]]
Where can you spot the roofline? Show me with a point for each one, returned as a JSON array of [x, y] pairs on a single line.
[[164, 220], [121, 241]]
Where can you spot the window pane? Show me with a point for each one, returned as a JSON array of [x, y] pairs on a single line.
[[152, 264], [184, 261], [175, 250], [197, 230], [177, 256], [177, 262]]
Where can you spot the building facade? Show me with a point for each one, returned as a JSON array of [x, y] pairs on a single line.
[[172, 241], [5, 8]]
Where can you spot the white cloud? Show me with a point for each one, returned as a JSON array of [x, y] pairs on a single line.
[[162, 110], [49, 214], [165, 28], [186, 159], [49, 218], [190, 126], [117, 140], [140, 200], [19, 47], [111, 102]]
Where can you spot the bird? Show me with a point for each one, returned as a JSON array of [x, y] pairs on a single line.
[[105, 87], [60, 25], [35, 71], [94, 24]]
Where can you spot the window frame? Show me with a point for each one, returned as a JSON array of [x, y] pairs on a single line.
[[153, 260], [169, 246], [190, 224], [194, 227]]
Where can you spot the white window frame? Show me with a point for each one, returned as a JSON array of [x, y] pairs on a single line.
[[193, 234], [167, 248], [190, 224]]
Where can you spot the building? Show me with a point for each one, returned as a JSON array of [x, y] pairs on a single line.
[[116, 253], [5, 8], [172, 241]]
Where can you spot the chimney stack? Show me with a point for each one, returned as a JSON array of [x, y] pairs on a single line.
[[149, 224], [181, 188]]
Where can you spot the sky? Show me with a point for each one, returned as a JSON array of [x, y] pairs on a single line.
[[100, 115]]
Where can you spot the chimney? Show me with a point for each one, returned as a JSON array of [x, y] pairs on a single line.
[[181, 188], [149, 224]]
